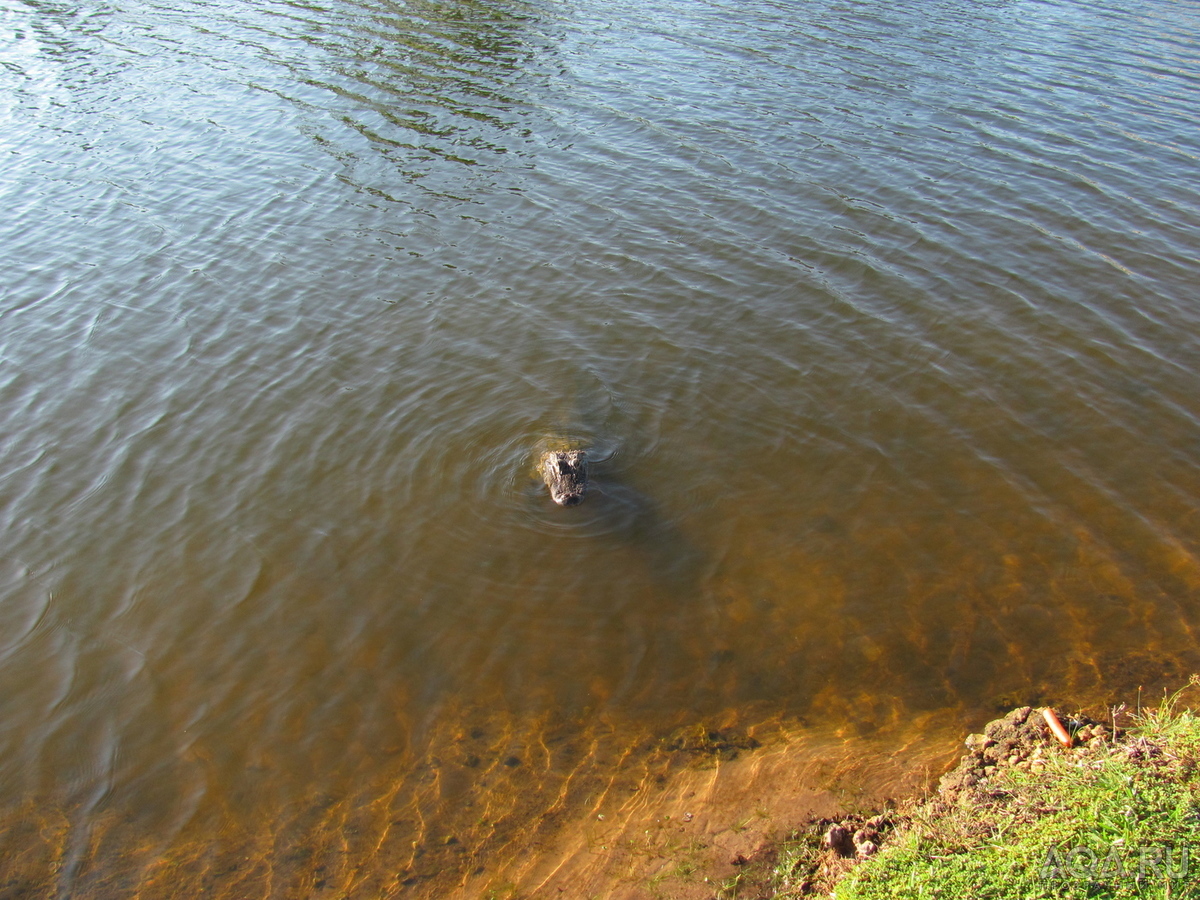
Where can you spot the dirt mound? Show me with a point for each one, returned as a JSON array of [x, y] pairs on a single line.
[[1021, 740]]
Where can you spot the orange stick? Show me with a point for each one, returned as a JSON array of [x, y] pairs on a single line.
[[1056, 726]]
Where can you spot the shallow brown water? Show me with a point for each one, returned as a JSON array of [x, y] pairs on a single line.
[[880, 321]]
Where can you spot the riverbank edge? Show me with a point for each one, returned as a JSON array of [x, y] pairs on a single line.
[[1040, 804]]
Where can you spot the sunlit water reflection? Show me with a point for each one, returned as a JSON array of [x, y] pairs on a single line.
[[879, 322]]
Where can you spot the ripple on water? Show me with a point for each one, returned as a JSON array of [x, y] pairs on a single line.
[[878, 325]]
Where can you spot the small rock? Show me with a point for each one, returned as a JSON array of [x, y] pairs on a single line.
[[867, 848], [865, 835], [838, 840]]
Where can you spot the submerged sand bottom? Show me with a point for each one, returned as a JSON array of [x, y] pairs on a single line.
[[680, 835], [491, 813], [481, 803]]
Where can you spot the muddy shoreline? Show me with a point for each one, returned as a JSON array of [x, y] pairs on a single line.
[[823, 850]]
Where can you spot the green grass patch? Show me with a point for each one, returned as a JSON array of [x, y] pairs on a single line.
[[1119, 821]]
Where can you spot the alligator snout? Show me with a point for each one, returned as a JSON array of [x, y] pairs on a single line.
[[566, 475]]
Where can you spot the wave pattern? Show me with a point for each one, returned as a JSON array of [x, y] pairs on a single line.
[[879, 322]]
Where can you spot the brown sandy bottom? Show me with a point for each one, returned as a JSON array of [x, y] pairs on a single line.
[[490, 810], [483, 802], [679, 836]]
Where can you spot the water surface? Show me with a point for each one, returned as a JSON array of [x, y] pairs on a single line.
[[880, 320]]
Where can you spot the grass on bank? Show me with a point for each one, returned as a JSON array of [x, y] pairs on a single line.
[[1119, 820]]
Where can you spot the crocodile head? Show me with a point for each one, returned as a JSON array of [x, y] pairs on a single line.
[[566, 475]]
